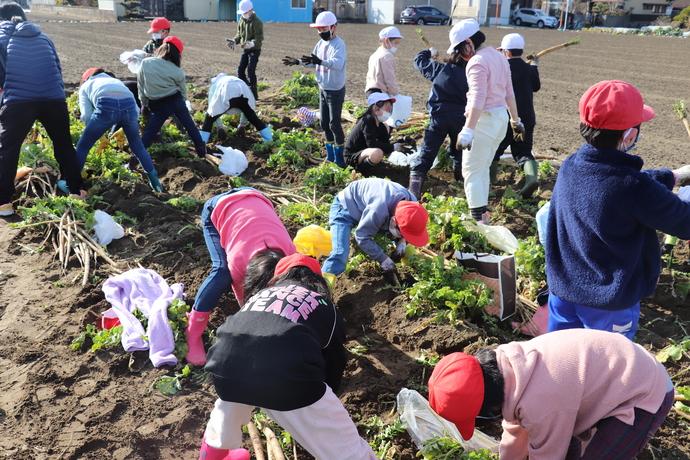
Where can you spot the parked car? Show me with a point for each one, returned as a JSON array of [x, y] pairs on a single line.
[[533, 16], [423, 14]]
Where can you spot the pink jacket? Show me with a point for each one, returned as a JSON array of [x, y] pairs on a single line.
[[488, 76], [247, 223], [381, 72], [559, 385]]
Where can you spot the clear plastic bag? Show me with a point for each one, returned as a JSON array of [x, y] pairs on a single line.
[[133, 59], [234, 161], [314, 241], [423, 423], [498, 236], [106, 228]]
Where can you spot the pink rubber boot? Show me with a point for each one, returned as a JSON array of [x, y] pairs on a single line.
[[211, 453], [238, 454], [196, 325]]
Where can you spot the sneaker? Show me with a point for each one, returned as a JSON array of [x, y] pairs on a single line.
[[6, 209]]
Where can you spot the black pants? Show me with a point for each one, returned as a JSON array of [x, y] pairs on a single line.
[[246, 69], [16, 121], [241, 103], [521, 150]]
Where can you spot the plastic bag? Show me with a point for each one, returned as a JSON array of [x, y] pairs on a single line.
[[542, 218], [234, 161], [498, 236], [133, 59], [106, 228], [410, 159], [423, 423], [314, 241], [401, 111]]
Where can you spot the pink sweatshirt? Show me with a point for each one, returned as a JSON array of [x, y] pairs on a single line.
[[488, 76], [247, 223], [559, 385], [381, 72]]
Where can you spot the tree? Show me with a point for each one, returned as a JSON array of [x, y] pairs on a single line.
[[683, 17]]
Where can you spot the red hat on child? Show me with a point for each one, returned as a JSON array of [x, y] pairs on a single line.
[[158, 24], [412, 219], [456, 391], [175, 41], [89, 73], [615, 105], [295, 260]]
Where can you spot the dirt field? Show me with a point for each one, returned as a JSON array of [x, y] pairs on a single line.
[[59, 404]]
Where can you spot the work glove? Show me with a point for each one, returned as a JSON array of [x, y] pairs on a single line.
[[518, 129], [146, 112], [465, 138], [682, 174], [434, 52], [231, 43], [399, 251], [248, 45], [313, 59], [154, 182], [390, 273], [189, 106], [535, 62], [287, 60], [402, 147], [684, 193]]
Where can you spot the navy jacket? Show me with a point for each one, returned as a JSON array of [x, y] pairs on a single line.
[[602, 249], [525, 78], [448, 95], [32, 69]]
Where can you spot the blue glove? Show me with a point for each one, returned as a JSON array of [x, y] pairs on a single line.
[[154, 182]]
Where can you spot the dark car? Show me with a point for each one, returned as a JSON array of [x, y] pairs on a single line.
[[423, 14]]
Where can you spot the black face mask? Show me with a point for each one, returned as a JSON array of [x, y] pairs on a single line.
[[325, 36]]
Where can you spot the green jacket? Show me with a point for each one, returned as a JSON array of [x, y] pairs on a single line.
[[251, 30]]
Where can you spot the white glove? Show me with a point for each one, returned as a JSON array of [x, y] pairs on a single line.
[[682, 173], [684, 193], [434, 52], [465, 138], [388, 265], [189, 106], [231, 43], [248, 45], [535, 62]]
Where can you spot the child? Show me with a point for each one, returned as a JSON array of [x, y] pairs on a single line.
[[381, 70], [602, 249], [553, 391], [446, 106], [250, 36], [283, 351], [330, 60], [237, 225], [163, 91], [159, 30], [103, 102]]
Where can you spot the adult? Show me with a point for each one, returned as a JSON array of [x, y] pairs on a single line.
[[284, 352], [162, 87], [602, 249], [554, 391], [238, 225], [105, 101], [159, 30], [249, 37], [381, 70], [329, 58], [31, 79], [526, 82], [446, 106], [490, 90]]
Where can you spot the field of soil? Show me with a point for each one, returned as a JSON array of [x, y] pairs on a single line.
[[56, 403]]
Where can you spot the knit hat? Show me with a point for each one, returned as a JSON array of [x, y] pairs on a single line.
[[390, 32], [614, 105], [378, 97], [295, 260], [8, 10], [174, 41], [158, 24], [412, 219], [324, 19], [461, 32], [245, 6], [512, 42], [456, 391]]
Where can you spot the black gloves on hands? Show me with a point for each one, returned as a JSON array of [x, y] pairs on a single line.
[[287, 60], [313, 59]]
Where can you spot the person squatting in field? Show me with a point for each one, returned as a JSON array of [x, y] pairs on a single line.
[[242, 234], [249, 37], [602, 249], [283, 352], [554, 391], [381, 70]]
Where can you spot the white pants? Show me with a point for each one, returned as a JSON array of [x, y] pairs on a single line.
[[488, 134], [324, 429]]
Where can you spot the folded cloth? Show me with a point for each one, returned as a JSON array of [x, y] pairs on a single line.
[[306, 116], [147, 291]]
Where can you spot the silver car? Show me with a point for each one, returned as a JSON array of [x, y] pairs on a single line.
[[533, 16]]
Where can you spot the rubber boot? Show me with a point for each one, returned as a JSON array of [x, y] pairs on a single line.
[[62, 185], [211, 453], [338, 153], [416, 184], [238, 454], [154, 182], [205, 135], [266, 134], [196, 325], [493, 170], [330, 281], [531, 179], [330, 155]]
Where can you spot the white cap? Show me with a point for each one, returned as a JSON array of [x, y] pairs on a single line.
[[390, 32], [512, 42], [461, 32], [245, 6], [324, 19], [378, 97]]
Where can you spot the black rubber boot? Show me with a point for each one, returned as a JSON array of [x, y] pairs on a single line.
[[493, 170], [416, 184], [531, 179]]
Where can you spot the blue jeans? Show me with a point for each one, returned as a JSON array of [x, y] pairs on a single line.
[[568, 315], [161, 114], [114, 111], [435, 134], [330, 107], [219, 280], [341, 226]]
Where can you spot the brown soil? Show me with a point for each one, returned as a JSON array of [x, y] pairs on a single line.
[[59, 404]]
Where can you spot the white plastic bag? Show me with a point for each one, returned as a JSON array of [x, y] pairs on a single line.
[[410, 159], [423, 423], [234, 161], [401, 111], [542, 219], [106, 228], [133, 59], [498, 236]]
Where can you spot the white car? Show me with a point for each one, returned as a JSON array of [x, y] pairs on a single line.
[[533, 16]]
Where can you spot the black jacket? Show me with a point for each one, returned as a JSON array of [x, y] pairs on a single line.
[[365, 134], [526, 82]]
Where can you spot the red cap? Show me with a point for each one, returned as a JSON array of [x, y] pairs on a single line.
[[89, 73], [175, 41], [615, 105], [158, 24], [412, 219], [456, 391], [295, 260]]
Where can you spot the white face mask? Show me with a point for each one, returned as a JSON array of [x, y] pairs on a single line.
[[393, 49], [384, 116], [156, 36], [247, 15], [394, 230]]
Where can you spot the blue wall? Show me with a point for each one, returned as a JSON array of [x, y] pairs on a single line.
[[282, 11]]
